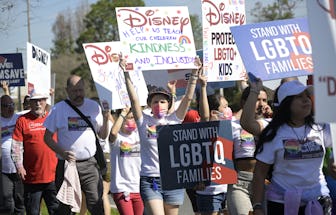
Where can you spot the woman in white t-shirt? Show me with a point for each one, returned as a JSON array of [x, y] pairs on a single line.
[[294, 145], [125, 164], [156, 200]]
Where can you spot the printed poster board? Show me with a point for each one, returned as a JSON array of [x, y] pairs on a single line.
[[38, 70], [221, 58], [11, 69], [157, 38], [103, 59], [196, 153], [322, 26], [275, 49]]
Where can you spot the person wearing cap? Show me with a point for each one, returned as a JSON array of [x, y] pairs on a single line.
[[34, 160], [12, 186], [76, 142], [295, 146], [156, 200]]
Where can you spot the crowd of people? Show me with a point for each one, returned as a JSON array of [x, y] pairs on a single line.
[[279, 152]]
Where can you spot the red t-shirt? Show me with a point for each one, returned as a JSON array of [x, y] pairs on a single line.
[[39, 160]]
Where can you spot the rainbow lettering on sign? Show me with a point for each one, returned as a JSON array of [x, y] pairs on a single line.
[[184, 39]]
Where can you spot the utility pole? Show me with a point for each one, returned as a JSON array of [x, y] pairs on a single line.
[[28, 20]]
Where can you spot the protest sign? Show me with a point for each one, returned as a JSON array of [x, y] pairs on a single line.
[[196, 153], [103, 59], [38, 70], [221, 59], [157, 37], [322, 27], [11, 69], [275, 49]]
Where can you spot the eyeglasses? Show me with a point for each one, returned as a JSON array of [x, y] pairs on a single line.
[[8, 105]]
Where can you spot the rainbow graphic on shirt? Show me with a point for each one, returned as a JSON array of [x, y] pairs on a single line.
[[77, 124], [247, 140], [292, 146], [151, 132], [5, 131], [184, 40]]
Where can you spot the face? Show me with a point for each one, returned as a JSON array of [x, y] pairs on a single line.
[[159, 105], [37, 106], [7, 107], [129, 124], [224, 112], [261, 103], [75, 91], [301, 105]]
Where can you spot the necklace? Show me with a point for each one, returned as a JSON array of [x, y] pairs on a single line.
[[303, 139]]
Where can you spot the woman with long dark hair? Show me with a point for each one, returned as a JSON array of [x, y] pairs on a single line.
[[293, 144]]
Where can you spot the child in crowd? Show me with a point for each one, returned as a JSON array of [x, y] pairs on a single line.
[[125, 164], [156, 200]]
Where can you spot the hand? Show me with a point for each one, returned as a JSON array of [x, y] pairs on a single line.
[[257, 85], [22, 173], [125, 111], [267, 111], [69, 156], [202, 79], [200, 186], [172, 86], [198, 63], [122, 62], [5, 86]]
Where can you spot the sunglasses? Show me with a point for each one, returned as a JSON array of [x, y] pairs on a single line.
[[8, 105]]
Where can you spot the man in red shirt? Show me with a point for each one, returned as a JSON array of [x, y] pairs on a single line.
[[34, 160]]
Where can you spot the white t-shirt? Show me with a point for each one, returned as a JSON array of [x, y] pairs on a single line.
[[243, 142], [125, 163], [73, 133], [148, 138], [7, 128], [297, 160]]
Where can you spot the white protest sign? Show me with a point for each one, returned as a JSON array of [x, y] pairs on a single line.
[[157, 37], [38, 70], [322, 27], [103, 59], [221, 59]]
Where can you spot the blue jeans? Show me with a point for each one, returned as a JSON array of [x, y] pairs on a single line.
[[33, 194], [150, 188], [12, 189]]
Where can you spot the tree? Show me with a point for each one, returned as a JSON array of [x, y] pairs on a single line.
[[280, 9], [197, 31], [6, 7]]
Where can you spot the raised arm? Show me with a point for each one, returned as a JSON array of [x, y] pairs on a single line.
[[135, 102], [203, 99], [248, 117], [117, 124], [186, 100], [172, 89]]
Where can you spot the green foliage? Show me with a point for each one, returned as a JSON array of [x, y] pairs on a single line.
[[280, 9], [197, 31], [101, 22]]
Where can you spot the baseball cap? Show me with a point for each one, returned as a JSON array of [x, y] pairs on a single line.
[[38, 95], [290, 88], [158, 90]]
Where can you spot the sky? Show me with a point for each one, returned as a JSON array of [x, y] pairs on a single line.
[[43, 14]]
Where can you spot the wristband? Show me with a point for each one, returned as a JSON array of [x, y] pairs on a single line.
[[122, 116], [174, 96]]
